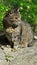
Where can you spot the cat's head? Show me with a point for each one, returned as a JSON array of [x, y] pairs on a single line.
[[13, 16]]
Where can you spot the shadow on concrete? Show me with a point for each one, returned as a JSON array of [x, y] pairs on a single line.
[[4, 40]]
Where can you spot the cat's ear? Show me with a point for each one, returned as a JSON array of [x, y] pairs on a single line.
[[18, 9]]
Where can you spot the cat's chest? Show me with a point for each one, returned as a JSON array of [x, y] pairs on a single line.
[[13, 34]]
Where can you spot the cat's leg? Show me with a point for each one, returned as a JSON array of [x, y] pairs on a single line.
[[12, 46], [23, 44]]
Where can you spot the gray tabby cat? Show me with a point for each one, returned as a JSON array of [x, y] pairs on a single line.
[[18, 32]]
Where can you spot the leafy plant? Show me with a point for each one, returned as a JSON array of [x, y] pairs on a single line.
[[28, 10]]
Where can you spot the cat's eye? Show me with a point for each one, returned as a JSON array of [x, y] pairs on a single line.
[[16, 18]]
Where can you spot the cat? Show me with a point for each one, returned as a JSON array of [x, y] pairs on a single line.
[[17, 31]]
